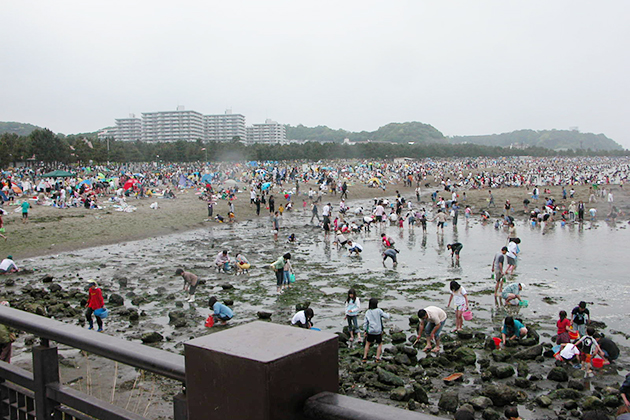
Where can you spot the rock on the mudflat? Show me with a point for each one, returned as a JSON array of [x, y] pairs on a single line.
[[465, 356], [116, 300], [398, 337], [402, 359], [500, 395], [530, 353], [264, 315], [522, 382], [389, 378], [152, 337], [55, 287], [449, 401], [490, 414], [543, 401], [558, 374], [46, 279], [592, 403], [502, 372], [227, 286], [480, 403], [420, 394], [400, 394]]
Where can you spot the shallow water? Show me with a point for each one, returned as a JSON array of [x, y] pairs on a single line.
[[567, 264]]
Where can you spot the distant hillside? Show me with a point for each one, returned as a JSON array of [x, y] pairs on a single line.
[[21, 129], [414, 132], [549, 139]]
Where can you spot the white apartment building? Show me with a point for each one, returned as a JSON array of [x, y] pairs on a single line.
[[128, 129], [168, 126], [224, 127], [270, 133]]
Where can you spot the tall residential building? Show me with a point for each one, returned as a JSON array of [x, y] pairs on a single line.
[[224, 127], [169, 126], [270, 132], [128, 129]]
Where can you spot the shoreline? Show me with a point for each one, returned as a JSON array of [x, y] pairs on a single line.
[[52, 231]]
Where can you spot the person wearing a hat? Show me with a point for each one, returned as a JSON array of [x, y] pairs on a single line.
[[95, 301], [8, 266], [512, 291]]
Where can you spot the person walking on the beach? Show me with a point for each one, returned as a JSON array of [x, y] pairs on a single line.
[[314, 211], [497, 269], [95, 301], [432, 320], [490, 199], [257, 201], [344, 191], [190, 283], [373, 327], [25, 206], [275, 225]]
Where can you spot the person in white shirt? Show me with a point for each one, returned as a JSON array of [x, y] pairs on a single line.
[[303, 318], [354, 248], [8, 266]]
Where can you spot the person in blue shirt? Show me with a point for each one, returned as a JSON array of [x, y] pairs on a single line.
[[221, 312], [512, 329]]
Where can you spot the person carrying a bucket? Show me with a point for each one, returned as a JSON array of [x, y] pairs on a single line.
[[459, 297]]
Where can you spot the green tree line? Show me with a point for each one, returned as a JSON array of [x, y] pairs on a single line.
[[44, 146]]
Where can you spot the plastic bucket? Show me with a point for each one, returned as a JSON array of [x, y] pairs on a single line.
[[497, 342], [574, 335], [467, 315], [597, 362]]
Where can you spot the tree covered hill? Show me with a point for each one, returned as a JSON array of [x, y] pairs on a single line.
[[409, 132], [548, 139], [21, 129]]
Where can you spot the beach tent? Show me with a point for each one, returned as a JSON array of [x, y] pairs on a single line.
[[206, 179], [85, 182], [265, 186], [231, 183], [374, 180], [58, 174], [16, 189]]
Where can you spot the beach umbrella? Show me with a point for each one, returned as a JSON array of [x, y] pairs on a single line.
[[58, 174], [85, 182], [16, 189], [376, 180], [130, 183]]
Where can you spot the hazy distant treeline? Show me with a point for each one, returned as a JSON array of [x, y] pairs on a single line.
[[45, 146]]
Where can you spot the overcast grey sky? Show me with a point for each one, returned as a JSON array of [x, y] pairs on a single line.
[[465, 67]]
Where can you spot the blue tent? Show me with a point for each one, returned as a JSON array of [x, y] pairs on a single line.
[[85, 182], [265, 186], [207, 178], [253, 163]]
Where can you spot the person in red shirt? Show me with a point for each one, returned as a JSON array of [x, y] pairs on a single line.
[[563, 324], [95, 301]]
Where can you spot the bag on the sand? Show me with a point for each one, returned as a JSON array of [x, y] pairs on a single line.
[[210, 321]]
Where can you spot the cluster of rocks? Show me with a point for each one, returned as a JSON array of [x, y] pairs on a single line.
[[471, 373]]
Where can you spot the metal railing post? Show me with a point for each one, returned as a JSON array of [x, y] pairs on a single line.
[[180, 409], [45, 372]]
